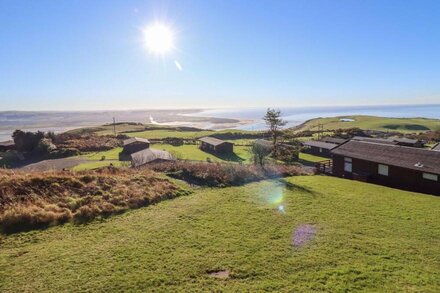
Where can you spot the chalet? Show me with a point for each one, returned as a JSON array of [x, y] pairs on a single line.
[[335, 140], [215, 145], [138, 151], [7, 145], [148, 156], [135, 144], [408, 168], [393, 141], [319, 148]]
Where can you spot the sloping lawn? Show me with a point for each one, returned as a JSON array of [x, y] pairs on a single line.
[[192, 152], [348, 236]]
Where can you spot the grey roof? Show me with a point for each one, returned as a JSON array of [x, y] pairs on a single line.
[[375, 140], [212, 140], [135, 139], [335, 140], [320, 144], [406, 157], [7, 143], [391, 140], [149, 155], [406, 140]]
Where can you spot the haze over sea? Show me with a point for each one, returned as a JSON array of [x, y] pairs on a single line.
[[63, 121]]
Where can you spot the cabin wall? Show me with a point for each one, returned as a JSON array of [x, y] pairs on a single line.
[[398, 177]]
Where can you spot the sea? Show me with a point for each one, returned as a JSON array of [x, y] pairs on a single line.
[[63, 121]]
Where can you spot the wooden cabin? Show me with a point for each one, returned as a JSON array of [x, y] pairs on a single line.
[[135, 144], [319, 148], [215, 145], [402, 167]]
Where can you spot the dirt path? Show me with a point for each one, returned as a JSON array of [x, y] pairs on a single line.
[[56, 164]]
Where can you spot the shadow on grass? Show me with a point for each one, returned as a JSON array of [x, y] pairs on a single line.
[[293, 187], [231, 157]]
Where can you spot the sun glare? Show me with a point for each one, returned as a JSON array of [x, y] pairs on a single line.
[[158, 39]]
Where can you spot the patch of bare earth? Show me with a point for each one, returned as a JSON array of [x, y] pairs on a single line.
[[224, 274]]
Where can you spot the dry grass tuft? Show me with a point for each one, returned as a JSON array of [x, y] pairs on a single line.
[[37, 200]]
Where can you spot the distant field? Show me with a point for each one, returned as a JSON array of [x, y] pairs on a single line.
[[405, 125], [359, 237]]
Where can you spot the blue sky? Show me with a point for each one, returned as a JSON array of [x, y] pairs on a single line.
[[87, 55]]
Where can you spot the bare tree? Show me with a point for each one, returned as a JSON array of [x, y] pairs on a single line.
[[274, 122]]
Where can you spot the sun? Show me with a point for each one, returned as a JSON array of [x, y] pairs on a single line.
[[158, 38]]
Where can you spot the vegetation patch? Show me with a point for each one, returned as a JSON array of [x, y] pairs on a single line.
[[38, 200], [216, 174]]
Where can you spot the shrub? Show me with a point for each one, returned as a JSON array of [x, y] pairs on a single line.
[[220, 174], [38, 200]]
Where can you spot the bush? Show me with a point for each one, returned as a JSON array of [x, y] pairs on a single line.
[[220, 174]]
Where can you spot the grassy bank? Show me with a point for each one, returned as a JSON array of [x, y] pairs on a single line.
[[366, 238], [404, 125]]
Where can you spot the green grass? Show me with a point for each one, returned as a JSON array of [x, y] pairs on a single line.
[[311, 159], [404, 125], [369, 238], [192, 152], [112, 154], [98, 164]]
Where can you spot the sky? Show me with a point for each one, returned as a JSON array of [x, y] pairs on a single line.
[[91, 55]]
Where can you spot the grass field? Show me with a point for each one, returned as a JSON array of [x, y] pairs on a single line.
[[405, 125], [192, 152], [310, 159], [368, 238]]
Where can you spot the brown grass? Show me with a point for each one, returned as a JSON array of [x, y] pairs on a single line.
[[36, 200]]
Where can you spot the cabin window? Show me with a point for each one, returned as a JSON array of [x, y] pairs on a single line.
[[383, 170], [430, 176], [348, 165], [320, 150]]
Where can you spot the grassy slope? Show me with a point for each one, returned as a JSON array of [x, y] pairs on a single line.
[[308, 158], [369, 238], [192, 152], [406, 125]]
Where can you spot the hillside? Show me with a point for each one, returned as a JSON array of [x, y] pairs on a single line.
[[404, 125], [329, 235]]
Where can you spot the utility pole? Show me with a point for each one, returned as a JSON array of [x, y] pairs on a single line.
[[114, 126]]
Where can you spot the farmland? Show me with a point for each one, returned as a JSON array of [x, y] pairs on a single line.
[[363, 238], [404, 125]]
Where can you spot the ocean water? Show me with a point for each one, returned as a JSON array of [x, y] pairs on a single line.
[[296, 116]]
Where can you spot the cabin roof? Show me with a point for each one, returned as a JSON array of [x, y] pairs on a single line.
[[135, 139], [149, 155], [212, 140], [391, 140], [419, 159], [320, 144], [335, 140]]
